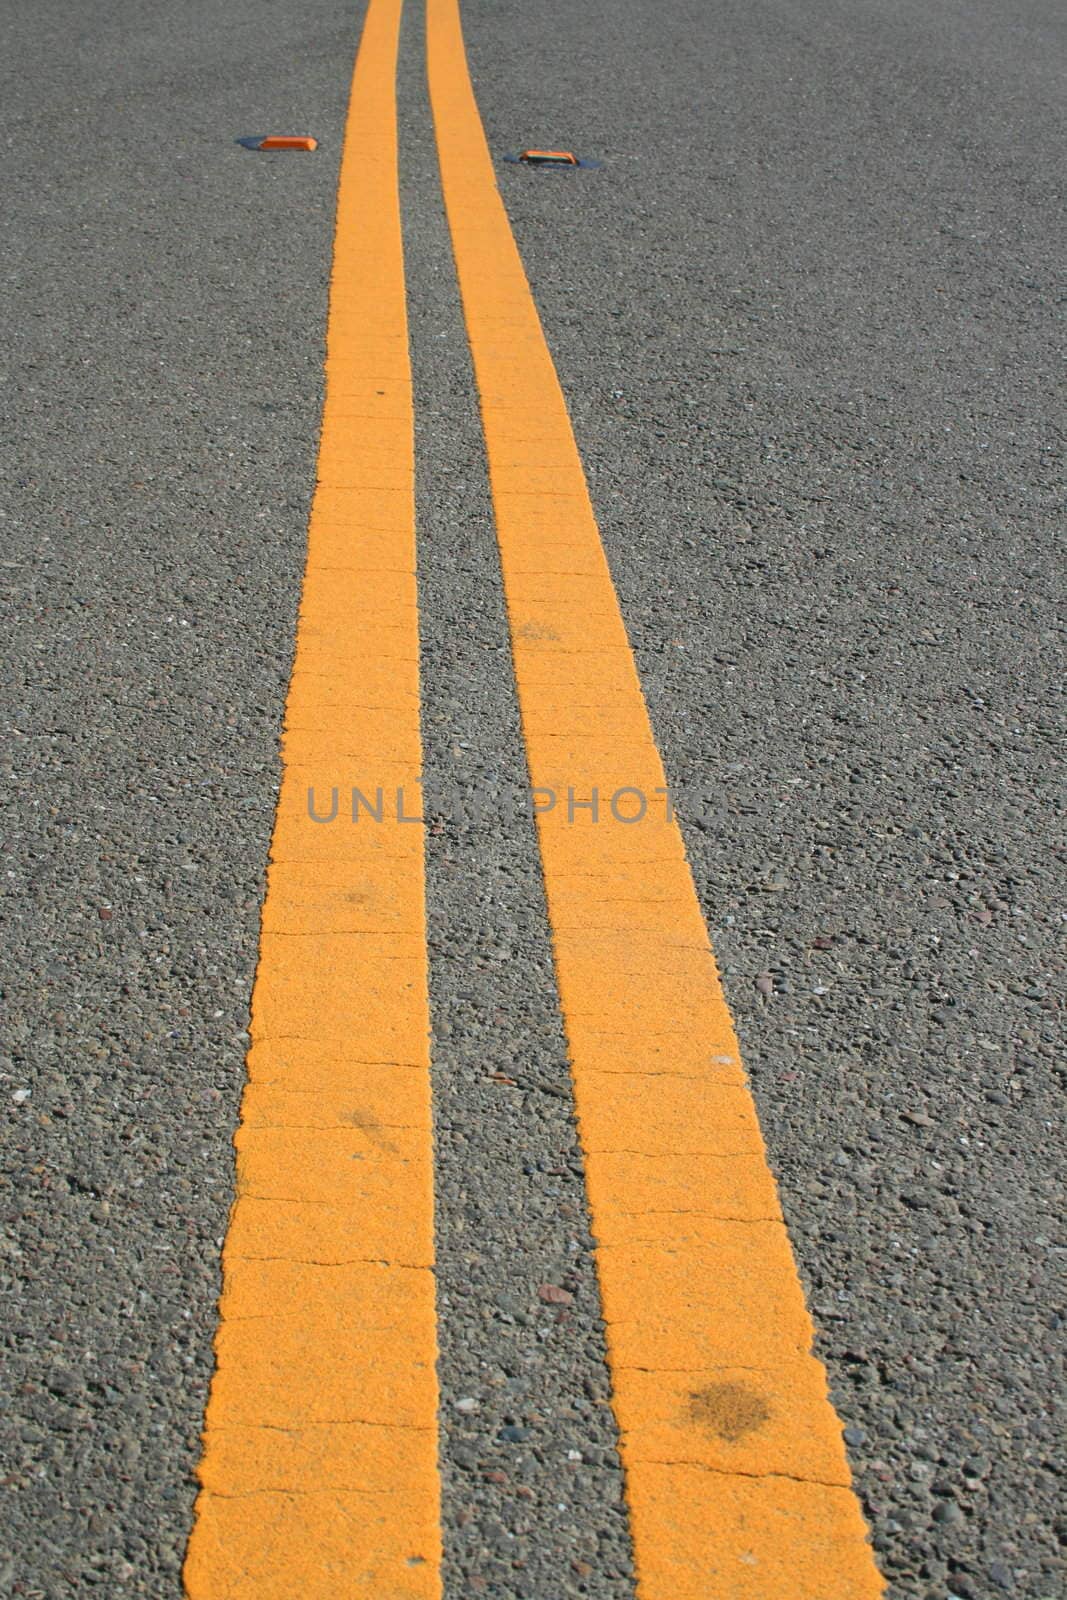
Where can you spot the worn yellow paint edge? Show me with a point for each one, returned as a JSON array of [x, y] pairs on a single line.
[[736, 1475], [319, 1471]]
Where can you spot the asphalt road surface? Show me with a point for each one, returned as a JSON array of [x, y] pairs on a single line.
[[805, 318]]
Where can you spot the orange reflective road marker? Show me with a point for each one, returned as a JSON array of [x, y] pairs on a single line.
[[562, 158], [736, 1475], [287, 141], [319, 1473]]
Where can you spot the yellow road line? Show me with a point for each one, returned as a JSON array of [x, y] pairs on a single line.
[[319, 1473], [737, 1480]]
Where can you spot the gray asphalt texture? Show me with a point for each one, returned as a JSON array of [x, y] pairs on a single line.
[[164, 295], [532, 1481], [805, 316]]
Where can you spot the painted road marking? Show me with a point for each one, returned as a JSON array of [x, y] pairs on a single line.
[[736, 1475], [319, 1474]]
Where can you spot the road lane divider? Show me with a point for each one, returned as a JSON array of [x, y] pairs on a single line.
[[319, 1472], [737, 1480]]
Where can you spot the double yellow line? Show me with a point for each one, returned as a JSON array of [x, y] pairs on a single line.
[[319, 1476]]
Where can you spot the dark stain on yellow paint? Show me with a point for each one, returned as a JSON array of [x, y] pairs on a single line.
[[729, 1410]]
